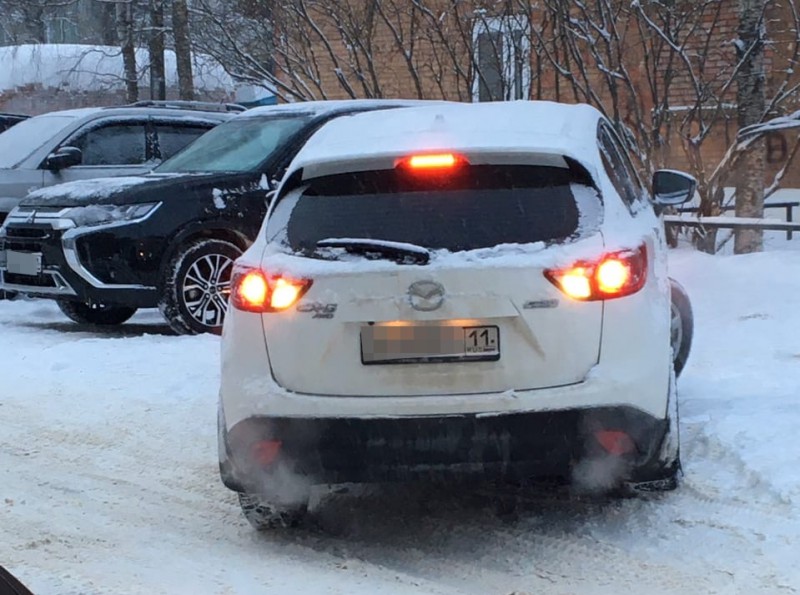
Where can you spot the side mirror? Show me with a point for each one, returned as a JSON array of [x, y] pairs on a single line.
[[63, 158], [672, 188]]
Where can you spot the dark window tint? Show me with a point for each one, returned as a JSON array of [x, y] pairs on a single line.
[[117, 144], [476, 207], [174, 138]]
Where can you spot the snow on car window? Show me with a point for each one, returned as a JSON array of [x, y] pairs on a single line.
[[18, 142], [480, 207], [237, 146]]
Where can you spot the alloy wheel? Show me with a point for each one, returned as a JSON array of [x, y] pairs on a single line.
[[207, 287]]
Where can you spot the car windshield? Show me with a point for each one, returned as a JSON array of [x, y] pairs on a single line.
[[240, 145], [479, 207], [18, 142]]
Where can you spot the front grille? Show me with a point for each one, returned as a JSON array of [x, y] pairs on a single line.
[[22, 245], [28, 232], [27, 280], [28, 238]]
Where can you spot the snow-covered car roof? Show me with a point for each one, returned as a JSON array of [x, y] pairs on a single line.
[[321, 107], [501, 127]]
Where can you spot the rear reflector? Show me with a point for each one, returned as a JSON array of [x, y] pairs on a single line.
[[615, 442], [265, 452]]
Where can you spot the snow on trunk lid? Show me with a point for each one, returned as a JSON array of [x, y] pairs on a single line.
[[479, 317]]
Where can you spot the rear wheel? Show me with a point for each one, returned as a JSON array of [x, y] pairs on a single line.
[[197, 286], [98, 314], [681, 326], [263, 515]]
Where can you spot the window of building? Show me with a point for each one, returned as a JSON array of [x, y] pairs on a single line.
[[61, 29], [502, 58]]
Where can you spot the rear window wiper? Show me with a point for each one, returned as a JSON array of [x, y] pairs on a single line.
[[400, 251]]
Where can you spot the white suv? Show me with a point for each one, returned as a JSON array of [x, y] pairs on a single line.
[[454, 290]]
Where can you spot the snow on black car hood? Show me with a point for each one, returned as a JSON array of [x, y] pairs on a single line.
[[126, 190]]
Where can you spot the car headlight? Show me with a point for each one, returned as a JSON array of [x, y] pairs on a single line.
[[92, 215]]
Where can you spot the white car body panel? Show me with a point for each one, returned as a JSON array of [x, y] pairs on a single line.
[[617, 353]]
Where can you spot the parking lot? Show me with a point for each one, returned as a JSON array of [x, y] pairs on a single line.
[[109, 482]]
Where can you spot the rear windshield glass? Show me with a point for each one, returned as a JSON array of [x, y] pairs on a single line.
[[477, 207]]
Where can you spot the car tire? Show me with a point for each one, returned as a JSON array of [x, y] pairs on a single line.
[[681, 326], [96, 314], [264, 516], [196, 286]]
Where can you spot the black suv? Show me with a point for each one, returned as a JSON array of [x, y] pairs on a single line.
[[8, 120], [104, 248]]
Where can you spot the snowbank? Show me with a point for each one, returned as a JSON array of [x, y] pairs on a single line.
[[109, 482]]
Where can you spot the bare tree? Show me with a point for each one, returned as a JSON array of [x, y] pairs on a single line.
[[156, 45], [751, 103], [183, 48], [125, 35]]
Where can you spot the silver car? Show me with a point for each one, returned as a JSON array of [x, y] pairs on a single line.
[[98, 142]]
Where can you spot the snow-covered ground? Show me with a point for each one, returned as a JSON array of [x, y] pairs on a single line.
[[108, 479]]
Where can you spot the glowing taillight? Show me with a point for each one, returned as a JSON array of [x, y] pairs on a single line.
[[254, 291], [615, 275], [432, 162], [576, 283], [251, 290], [285, 293]]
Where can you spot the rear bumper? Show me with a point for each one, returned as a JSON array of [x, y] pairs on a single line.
[[513, 446]]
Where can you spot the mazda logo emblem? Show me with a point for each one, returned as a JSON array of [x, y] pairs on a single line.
[[426, 296]]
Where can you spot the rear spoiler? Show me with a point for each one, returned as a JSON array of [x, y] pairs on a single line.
[[580, 173]]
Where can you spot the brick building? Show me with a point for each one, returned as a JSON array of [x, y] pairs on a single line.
[[681, 106]]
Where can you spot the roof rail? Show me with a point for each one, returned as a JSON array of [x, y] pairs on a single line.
[[205, 106]]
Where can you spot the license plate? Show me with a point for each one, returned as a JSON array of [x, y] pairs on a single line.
[[24, 263], [400, 344]]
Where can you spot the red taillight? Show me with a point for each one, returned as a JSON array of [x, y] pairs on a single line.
[[613, 276], [254, 291], [432, 162]]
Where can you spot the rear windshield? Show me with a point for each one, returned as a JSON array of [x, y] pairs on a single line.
[[478, 207]]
